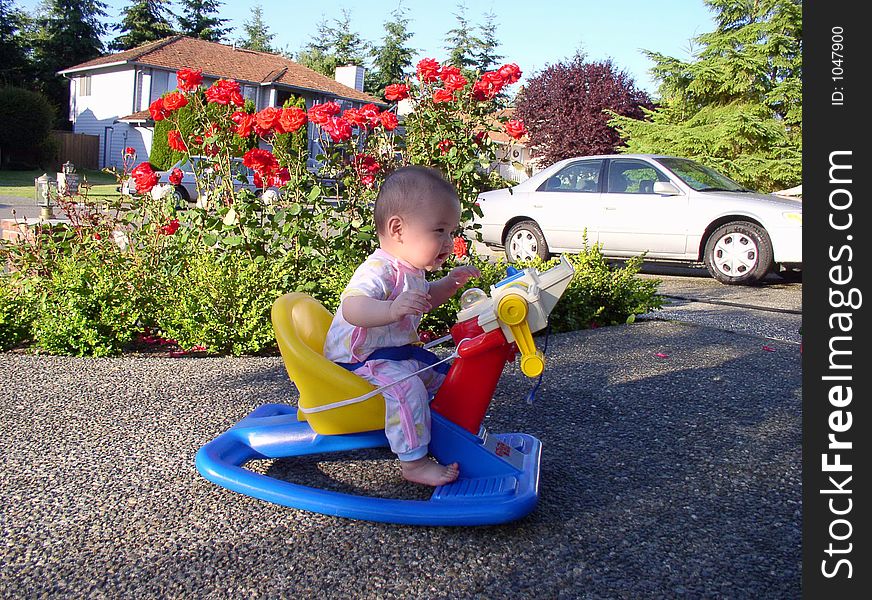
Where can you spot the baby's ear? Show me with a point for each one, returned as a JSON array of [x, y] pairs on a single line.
[[395, 227]]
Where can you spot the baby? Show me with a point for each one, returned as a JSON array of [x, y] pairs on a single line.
[[374, 332]]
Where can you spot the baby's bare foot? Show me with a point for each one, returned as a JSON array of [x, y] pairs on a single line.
[[428, 472]]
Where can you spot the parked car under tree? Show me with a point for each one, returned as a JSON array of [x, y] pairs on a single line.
[[672, 209]]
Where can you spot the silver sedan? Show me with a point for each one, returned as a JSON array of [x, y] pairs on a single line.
[[672, 209]]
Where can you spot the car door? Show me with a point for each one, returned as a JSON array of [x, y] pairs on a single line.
[[637, 220], [567, 203]]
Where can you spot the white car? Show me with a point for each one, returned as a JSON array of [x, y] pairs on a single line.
[[673, 209]]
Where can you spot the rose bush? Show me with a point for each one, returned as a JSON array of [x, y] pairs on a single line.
[[206, 276]]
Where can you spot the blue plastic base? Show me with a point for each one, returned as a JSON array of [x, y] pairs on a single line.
[[499, 475]]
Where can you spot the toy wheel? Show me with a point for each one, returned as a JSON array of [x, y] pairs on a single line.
[[525, 242], [738, 253]]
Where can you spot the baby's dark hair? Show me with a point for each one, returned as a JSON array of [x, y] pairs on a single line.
[[405, 188]]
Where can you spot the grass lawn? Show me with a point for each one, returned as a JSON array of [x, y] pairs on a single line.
[[20, 183]]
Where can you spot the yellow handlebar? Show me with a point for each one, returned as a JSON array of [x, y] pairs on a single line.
[[512, 310]]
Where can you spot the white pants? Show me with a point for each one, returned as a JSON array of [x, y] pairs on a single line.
[[407, 404]]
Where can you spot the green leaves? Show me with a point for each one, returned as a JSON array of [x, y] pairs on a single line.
[[738, 106]]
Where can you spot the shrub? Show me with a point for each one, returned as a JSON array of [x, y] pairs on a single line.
[[91, 305], [221, 303], [601, 294], [17, 311], [25, 136]]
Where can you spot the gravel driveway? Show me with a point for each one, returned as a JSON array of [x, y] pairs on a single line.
[[669, 476]]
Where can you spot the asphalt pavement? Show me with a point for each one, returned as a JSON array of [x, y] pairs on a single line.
[[18, 207], [671, 468]]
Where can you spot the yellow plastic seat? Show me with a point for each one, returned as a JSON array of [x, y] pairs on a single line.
[[300, 323]]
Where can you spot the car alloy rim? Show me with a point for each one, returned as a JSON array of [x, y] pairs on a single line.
[[523, 245], [735, 254]]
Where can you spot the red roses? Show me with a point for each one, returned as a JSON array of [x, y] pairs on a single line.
[[169, 228], [175, 141], [292, 118], [428, 70], [396, 92], [157, 110], [174, 101], [515, 128], [189, 79], [320, 113], [225, 92], [144, 177], [176, 176]]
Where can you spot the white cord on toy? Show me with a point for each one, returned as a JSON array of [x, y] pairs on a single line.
[[378, 391]]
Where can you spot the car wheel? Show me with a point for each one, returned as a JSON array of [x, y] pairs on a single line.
[[525, 242], [738, 253], [181, 196]]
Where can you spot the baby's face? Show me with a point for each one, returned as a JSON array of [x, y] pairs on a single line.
[[429, 233]]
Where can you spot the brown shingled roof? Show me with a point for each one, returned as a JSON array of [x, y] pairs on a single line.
[[223, 61]]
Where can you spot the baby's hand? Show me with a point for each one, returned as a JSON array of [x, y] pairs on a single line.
[[410, 302], [460, 275]]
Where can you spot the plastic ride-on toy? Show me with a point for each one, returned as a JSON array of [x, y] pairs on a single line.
[[340, 411]]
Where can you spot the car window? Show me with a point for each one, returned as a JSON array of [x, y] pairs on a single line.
[[580, 176], [633, 177], [700, 177], [237, 168]]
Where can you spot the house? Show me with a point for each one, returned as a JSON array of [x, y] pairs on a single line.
[[110, 95], [514, 159]]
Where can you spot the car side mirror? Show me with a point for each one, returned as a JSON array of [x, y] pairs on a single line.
[[666, 188]]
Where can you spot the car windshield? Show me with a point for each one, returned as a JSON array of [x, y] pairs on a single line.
[[700, 177]]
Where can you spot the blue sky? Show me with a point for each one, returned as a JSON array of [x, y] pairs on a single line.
[[533, 34]]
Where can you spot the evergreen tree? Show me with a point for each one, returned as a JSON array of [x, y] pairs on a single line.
[[334, 46], [143, 21], [563, 106], [199, 20], [737, 106], [486, 57], [462, 43], [13, 53], [348, 46], [393, 59], [67, 33], [257, 36], [317, 54]]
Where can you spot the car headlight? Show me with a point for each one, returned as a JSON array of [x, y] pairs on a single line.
[[796, 217]]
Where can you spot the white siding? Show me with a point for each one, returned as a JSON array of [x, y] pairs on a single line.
[[161, 83], [111, 97], [117, 92], [124, 135]]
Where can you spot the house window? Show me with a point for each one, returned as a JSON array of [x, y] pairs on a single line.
[[85, 85]]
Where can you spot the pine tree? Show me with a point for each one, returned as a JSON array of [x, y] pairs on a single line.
[[393, 59], [199, 20], [737, 106], [563, 106], [462, 44], [257, 36], [349, 47], [317, 54], [143, 21], [334, 46], [486, 57], [67, 33], [13, 54]]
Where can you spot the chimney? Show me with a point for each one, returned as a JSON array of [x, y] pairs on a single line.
[[350, 75]]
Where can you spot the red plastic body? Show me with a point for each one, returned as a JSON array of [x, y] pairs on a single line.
[[464, 396]]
